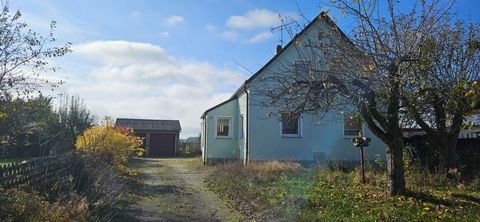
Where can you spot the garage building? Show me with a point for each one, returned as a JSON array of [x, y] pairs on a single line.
[[161, 137]]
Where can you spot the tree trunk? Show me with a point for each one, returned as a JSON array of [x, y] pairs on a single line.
[[441, 143], [395, 171], [451, 161]]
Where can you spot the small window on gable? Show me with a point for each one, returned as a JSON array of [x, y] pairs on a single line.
[[224, 126], [291, 124], [303, 67], [320, 38], [351, 125]]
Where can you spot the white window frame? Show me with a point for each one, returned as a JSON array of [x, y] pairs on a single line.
[[343, 128], [230, 127], [299, 133]]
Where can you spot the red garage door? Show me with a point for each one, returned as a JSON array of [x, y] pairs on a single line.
[[162, 144]]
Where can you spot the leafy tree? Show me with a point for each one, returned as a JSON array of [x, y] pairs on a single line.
[[24, 55], [74, 116], [365, 72], [441, 90], [27, 126], [24, 59]]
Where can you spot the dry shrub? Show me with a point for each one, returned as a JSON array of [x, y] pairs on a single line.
[[98, 183], [252, 186], [275, 167], [266, 171], [18, 205], [101, 185]]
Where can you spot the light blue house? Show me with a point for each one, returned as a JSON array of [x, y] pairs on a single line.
[[241, 129]]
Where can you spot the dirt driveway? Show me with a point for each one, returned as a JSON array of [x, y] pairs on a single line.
[[173, 190]]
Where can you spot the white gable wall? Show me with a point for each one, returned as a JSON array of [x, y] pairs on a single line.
[[219, 149], [319, 135]]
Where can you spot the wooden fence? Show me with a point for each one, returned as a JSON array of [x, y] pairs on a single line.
[[34, 172]]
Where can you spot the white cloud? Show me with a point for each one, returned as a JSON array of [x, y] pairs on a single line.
[[165, 34], [175, 20], [210, 28], [257, 18], [230, 35], [142, 80], [121, 52], [260, 37]]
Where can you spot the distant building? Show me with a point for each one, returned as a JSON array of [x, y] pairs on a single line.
[[190, 146], [161, 137], [193, 140]]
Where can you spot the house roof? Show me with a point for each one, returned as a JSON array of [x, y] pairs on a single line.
[[149, 124], [322, 16], [220, 104]]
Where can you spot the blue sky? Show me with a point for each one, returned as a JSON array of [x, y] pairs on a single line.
[[167, 59]]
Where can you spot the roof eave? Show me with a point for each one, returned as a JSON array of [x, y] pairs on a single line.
[[218, 105]]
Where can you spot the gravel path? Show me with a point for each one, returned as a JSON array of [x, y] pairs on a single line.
[[173, 190]]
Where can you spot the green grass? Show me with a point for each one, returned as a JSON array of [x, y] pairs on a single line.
[[334, 195], [338, 195]]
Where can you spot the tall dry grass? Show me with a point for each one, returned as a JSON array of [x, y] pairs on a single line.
[[254, 188]]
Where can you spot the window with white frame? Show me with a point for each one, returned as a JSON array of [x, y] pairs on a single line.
[[291, 124], [351, 125], [224, 126]]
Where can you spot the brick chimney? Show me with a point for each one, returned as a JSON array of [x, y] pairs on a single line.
[[279, 48]]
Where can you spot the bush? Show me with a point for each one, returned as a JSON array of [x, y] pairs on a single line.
[[99, 184], [110, 144], [22, 206]]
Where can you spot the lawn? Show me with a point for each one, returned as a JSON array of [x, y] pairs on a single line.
[[289, 192]]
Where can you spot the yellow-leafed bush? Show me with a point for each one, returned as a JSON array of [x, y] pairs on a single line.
[[111, 144], [17, 205]]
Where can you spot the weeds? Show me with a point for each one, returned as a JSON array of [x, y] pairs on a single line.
[[260, 190], [18, 205], [285, 191]]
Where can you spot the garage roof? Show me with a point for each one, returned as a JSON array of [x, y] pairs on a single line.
[[149, 124]]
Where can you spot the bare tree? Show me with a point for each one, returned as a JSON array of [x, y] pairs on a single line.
[[364, 72], [24, 55], [74, 116]]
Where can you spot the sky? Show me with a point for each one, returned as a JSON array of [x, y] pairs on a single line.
[[168, 59]]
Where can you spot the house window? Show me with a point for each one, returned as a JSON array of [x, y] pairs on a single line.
[[224, 126], [290, 124], [303, 67], [320, 39], [351, 125]]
